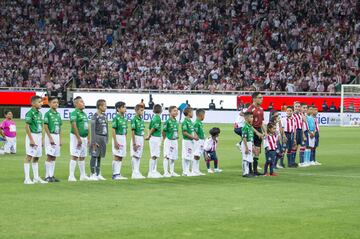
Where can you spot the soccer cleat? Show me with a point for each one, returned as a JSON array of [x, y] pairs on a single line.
[[167, 175], [137, 176], [280, 166], [217, 170], [55, 180], [195, 174], [259, 168], [238, 146], [39, 180], [266, 174], [118, 177], [93, 177], [49, 179], [312, 163], [185, 174], [72, 179], [317, 163], [274, 174], [173, 174], [101, 178], [158, 174], [84, 178], [248, 176], [153, 175], [210, 170], [28, 181], [302, 165], [200, 173]]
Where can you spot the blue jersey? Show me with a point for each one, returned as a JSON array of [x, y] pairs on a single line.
[[311, 123]]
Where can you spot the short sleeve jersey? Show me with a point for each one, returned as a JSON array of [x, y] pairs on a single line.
[[156, 124], [187, 126], [258, 114], [34, 119], [81, 120], [171, 129], [248, 132], [137, 124], [119, 123], [199, 129], [53, 120]]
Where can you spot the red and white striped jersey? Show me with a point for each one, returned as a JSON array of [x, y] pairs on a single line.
[[288, 124], [270, 142], [298, 120], [317, 129]]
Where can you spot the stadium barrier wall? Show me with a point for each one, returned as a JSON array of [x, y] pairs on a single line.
[[224, 116]]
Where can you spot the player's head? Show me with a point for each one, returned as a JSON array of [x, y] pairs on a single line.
[[188, 112], [257, 98], [297, 106], [271, 127], [120, 107], [249, 117], [36, 102], [304, 108], [315, 111], [173, 111], [139, 109], [310, 110], [101, 105], [214, 132], [200, 114], [79, 103], [53, 102], [8, 114], [289, 111], [274, 116], [157, 109]]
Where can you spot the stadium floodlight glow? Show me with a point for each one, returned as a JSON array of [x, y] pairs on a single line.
[[350, 105]]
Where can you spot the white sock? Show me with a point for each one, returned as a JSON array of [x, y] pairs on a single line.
[[245, 167], [133, 164], [195, 166], [52, 172], [47, 169], [166, 165], [72, 166], [183, 164], [155, 165], [27, 171], [35, 168], [187, 164], [116, 167], [172, 166], [151, 166], [82, 168], [138, 165]]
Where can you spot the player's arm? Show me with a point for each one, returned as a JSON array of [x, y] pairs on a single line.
[[28, 133], [260, 135], [92, 133], [151, 131], [47, 131], [76, 131], [244, 136], [133, 126], [263, 127], [2, 132]]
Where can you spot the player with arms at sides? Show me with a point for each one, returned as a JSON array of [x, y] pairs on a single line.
[[310, 136], [199, 144], [154, 137], [33, 140], [8, 132], [288, 124], [239, 123], [247, 145], [137, 141], [317, 137], [300, 136], [79, 138], [275, 119], [99, 139], [270, 145], [259, 129], [119, 131], [52, 126], [170, 135], [210, 147]]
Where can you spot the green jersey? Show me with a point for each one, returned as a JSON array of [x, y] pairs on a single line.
[[248, 132], [53, 120], [155, 124], [187, 126], [81, 120], [119, 123], [171, 129], [137, 124], [199, 129], [34, 119]]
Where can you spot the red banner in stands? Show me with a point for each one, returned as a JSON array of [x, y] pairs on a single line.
[[278, 101], [16, 97]]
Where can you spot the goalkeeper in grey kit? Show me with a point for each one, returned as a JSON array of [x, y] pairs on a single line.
[[99, 140]]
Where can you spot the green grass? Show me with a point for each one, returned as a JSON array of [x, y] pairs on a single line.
[[314, 202]]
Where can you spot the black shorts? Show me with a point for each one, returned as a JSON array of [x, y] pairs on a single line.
[[238, 131], [257, 140], [212, 155], [299, 137]]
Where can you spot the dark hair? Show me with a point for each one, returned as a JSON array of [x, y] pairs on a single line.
[[272, 112], [119, 105], [248, 113], [157, 109], [187, 111], [200, 112], [7, 112], [214, 131], [255, 94], [100, 103], [138, 107], [76, 99], [290, 107], [35, 98], [302, 104], [247, 105], [51, 98], [270, 125], [171, 108]]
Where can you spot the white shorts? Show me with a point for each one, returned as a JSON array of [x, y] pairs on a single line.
[[199, 148], [139, 140], [121, 152], [81, 152], [155, 145], [52, 150], [188, 149], [247, 157], [310, 141], [171, 149], [10, 145], [37, 150]]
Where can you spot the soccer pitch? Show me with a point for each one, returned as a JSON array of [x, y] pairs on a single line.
[[314, 202]]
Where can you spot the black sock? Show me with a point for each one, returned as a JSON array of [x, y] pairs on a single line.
[[250, 168], [255, 164], [266, 167], [271, 168], [208, 164], [92, 164], [98, 166], [215, 163]]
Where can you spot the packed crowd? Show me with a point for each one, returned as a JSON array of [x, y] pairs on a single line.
[[211, 45]]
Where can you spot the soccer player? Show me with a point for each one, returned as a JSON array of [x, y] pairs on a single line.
[[259, 128], [247, 144], [199, 144], [52, 126], [154, 137], [189, 136], [79, 138], [275, 119], [33, 140], [239, 123], [288, 124], [270, 144], [310, 136], [137, 141], [8, 131], [299, 140], [210, 146], [170, 134], [99, 139], [317, 137], [119, 131]]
